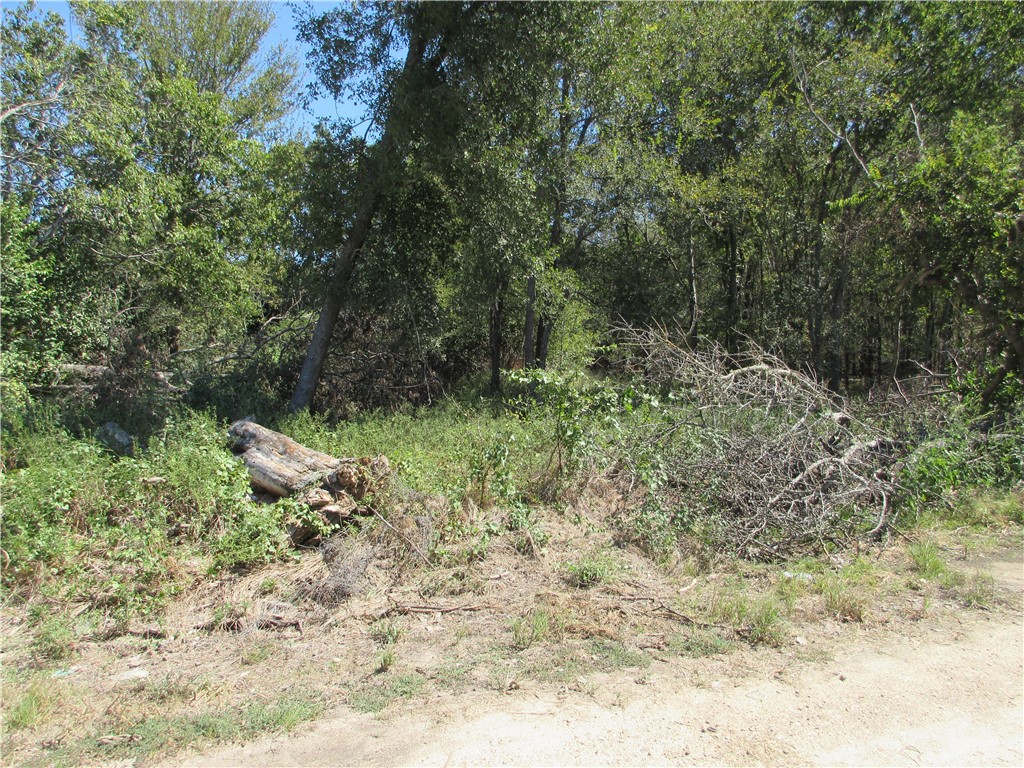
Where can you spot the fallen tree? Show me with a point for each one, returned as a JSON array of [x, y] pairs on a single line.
[[331, 487]]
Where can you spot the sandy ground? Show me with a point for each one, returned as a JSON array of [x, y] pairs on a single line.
[[947, 691]]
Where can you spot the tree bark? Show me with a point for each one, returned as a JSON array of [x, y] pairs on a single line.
[[543, 341], [282, 467], [496, 342]]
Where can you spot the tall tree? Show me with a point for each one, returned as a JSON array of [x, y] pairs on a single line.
[[442, 76], [159, 222]]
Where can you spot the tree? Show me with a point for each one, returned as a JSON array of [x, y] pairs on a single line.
[[154, 213], [447, 78]]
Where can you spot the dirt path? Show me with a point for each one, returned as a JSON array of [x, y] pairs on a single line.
[[944, 691]]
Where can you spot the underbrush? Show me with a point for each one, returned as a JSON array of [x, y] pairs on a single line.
[[93, 540], [581, 526], [116, 536]]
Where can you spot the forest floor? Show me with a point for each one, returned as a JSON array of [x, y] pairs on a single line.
[[580, 652]]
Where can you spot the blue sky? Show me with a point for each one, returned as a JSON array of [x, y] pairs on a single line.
[[283, 31]]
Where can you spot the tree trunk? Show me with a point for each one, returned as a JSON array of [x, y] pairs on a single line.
[[731, 280], [374, 172], [529, 339], [838, 312], [496, 343], [543, 340], [694, 312], [546, 320], [333, 301]]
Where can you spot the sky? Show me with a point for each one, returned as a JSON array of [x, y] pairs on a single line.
[[283, 31]]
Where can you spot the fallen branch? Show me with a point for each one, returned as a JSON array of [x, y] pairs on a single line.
[[402, 610]]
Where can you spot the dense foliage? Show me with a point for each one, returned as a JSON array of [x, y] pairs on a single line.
[[840, 183]]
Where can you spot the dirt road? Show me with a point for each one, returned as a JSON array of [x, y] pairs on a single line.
[[942, 691]]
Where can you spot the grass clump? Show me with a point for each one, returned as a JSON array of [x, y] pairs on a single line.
[[759, 619], [385, 632], [700, 643], [532, 628], [927, 561], [161, 736], [385, 661], [54, 638], [978, 591], [847, 592], [31, 706], [375, 698], [589, 571], [843, 600]]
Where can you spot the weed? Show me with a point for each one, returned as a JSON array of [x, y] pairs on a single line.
[[54, 638], [842, 600], [611, 654], [385, 661], [372, 699], [460, 581], [589, 571], [452, 674], [32, 706], [530, 629], [815, 655], [173, 688], [927, 561], [385, 632], [504, 677], [700, 643], [257, 652], [979, 591], [229, 617], [255, 535], [916, 614]]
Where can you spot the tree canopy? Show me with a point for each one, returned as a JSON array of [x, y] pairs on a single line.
[[840, 183]]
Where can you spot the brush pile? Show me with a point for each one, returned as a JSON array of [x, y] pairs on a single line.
[[761, 459]]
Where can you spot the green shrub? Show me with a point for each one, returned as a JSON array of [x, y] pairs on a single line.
[[974, 448], [589, 571], [82, 524]]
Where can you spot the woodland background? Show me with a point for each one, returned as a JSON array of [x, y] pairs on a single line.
[[837, 183]]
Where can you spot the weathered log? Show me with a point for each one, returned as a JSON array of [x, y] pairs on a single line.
[[280, 466], [276, 463], [331, 487]]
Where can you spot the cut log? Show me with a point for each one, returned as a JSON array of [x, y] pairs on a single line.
[[331, 487], [280, 466], [276, 463]]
